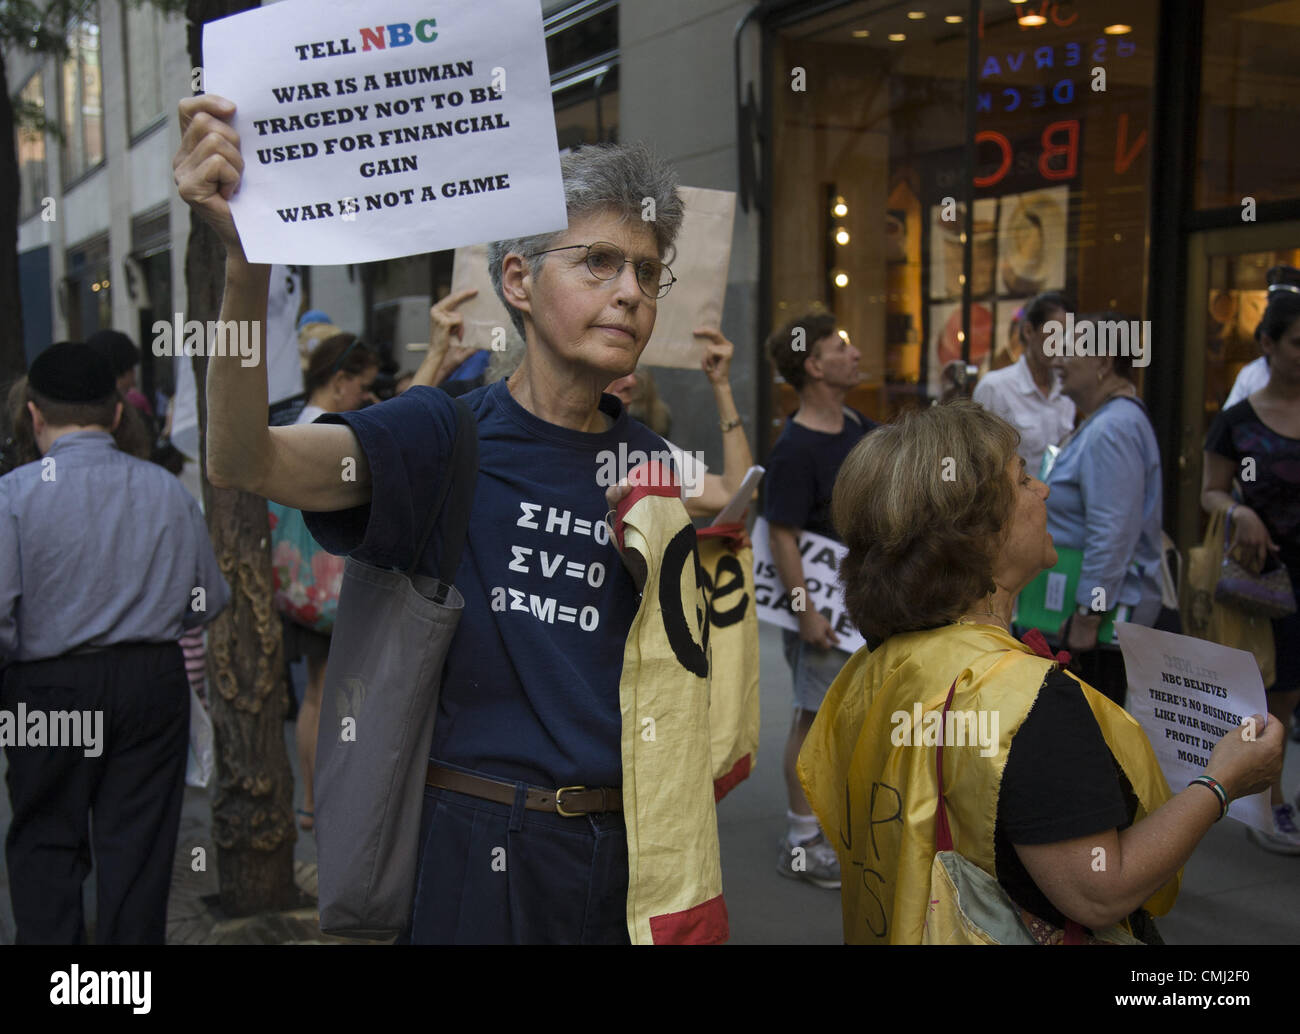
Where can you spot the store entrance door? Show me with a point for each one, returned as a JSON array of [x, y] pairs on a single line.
[[1226, 295]]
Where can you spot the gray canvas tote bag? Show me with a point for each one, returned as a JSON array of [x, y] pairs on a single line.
[[377, 712]]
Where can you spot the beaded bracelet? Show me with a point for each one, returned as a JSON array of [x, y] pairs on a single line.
[[1213, 784]]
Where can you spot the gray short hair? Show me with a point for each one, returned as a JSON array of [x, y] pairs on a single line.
[[620, 178]]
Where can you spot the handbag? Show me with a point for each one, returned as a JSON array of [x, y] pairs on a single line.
[[305, 578], [1206, 618], [382, 681], [1267, 594], [969, 906]]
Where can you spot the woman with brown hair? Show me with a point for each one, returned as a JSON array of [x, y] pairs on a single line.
[[1061, 798]]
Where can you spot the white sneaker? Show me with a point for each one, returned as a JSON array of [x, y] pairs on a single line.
[[814, 860], [1285, 838]]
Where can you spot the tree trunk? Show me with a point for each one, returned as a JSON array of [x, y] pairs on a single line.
[[252, 808], [13, 359]]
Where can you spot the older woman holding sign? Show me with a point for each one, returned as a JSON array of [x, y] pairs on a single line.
[[1050, 788], [523, 836]]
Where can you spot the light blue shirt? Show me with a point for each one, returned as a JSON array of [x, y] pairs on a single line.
[[99, 548], [1106, 501]]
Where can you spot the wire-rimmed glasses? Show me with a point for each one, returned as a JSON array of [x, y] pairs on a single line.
[[606, 262]]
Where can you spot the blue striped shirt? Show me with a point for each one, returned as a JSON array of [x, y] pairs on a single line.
[[98, 548]]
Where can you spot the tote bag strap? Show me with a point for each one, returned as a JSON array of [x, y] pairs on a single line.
[[453, 508], [942, 833]]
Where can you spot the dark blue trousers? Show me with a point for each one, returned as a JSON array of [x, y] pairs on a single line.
[[125, 803], [499, 874]]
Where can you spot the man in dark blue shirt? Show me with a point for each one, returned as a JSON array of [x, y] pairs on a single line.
[[819, 362]]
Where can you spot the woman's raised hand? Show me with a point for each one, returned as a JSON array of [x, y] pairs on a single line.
[[208, 166]]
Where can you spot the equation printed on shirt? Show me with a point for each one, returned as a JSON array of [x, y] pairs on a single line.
[[571, 557]]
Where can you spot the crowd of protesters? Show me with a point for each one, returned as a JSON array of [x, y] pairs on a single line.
[[932, 570]]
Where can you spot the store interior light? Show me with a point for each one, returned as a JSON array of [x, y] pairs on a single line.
[[95, 286], [916, 16], [861, 33], [953, 19], [897, 37], [1032, 20], [841, 279], [841, 236], [1118, 29], [840, 209]]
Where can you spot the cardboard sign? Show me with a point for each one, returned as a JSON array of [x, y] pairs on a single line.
[[821, 566], [1187, 694], [487, 323], [376, 130], [703, 254]]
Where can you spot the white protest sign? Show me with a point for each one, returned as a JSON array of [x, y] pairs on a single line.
[[280, 343], [821, 565], [376, 130], [1187, 694]]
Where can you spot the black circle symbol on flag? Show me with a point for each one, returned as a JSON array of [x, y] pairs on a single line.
[[690, 654]]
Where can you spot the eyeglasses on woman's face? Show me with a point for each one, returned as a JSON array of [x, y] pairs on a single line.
[[606, 262]]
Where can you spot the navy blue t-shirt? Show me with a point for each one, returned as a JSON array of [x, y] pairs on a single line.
[[801, 472], [530, 689]]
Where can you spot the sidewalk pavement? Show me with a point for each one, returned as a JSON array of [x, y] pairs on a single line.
[[1233, 892]]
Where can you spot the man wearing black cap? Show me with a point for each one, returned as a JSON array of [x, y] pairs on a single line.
[[105, 562]]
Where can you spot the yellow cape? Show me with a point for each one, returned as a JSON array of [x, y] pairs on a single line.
[[876, 798]]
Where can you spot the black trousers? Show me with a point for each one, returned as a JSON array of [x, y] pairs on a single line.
[[123, 805]]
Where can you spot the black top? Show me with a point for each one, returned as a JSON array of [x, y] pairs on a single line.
[[1274, 492], [1061, 782], [801, 471]]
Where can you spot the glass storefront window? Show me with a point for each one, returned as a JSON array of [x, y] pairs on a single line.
[[87, 287], [582, 54], [1235, 302], [876, 129], [143, 27], [83, 112], [864, 125], [32, 172], [1250, 103], [587, 112]]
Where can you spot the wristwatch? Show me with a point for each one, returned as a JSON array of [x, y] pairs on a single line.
[[727, 425]]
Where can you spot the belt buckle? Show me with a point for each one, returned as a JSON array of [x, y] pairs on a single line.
[[559, 806]]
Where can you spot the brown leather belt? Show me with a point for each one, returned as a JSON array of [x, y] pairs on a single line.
[[569, 801]]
